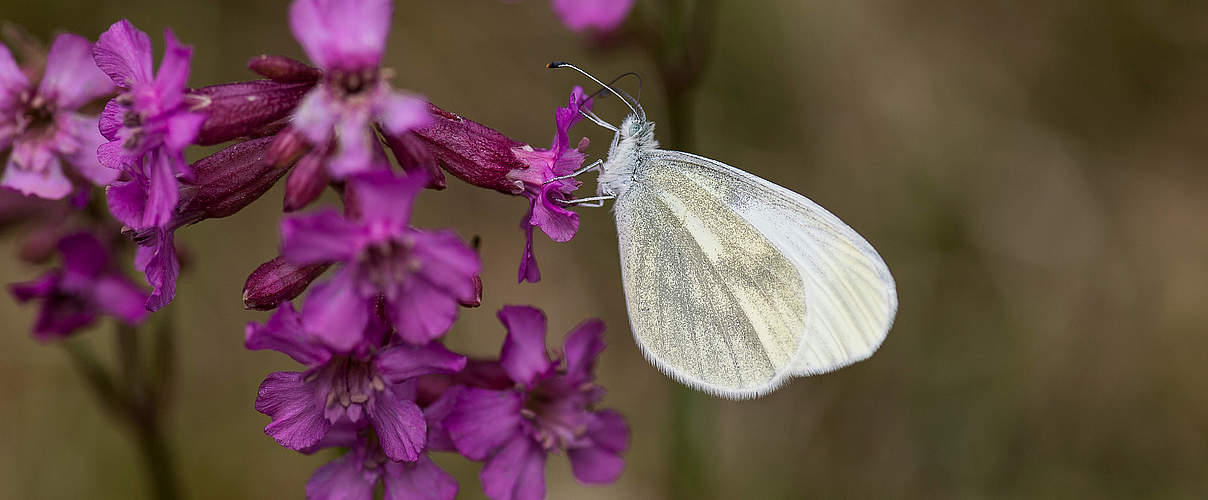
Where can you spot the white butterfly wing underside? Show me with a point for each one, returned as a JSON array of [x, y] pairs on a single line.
[[734, 283]]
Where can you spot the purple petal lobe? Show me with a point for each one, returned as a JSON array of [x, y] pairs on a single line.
[[48, 182], [336, 312], [523, 355], [482, 420], [581, 15], [341, 34], [173, 72], [284, 333], [126, 202], [124, 53], [385, 197], [159, 263], [120, 298], [582, 346], [400, 112], [321, 237], [421, 480], [517, 472], [402, 362], [400, 425], [421, 312], [296, 410], [344, 478], [72, 78]]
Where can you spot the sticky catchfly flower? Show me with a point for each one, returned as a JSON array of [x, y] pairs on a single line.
[[487, 158], [599, 15], [357, 474], [148, 124], [346, 38], [422, 275], [367, 386], [42, 124], [85, 287], [550, 408]]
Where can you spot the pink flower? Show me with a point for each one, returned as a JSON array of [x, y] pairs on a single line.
[[42, 124], [346, 38], [148, 124], [601, 15], [487, 158], [548, 407]]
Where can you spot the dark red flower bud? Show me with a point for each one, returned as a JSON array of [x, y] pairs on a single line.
[[229, 180], [283, 69], [414, 156], [306, 182], [277, 281], [287, 148], [471, 151], [241, 109]]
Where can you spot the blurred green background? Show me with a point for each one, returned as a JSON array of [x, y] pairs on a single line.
[[1033, 173]]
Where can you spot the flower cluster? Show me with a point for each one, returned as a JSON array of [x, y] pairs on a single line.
[[380, 294]]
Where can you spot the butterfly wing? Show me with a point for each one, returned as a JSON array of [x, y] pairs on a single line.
[[734, 283]]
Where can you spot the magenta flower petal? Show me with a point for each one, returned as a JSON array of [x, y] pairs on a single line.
[[583, 344], [126, 202], [49, 182], [336, 312], [400, 425], [346, 34], [482, 420], [173, 72], [594, 465], [158, 261], [355, 144], [385, 197], [435, 413], [399, 363], [344, 478], [517, 472], [72, 78], [320, 237], [554, 219], [284, 333], [421, 312], [182, 129], [12, 79], [602, 15], [448, 263], [400, 112], [163, 192], [523, 355], [422, 480], [124, 53], [528, 261], [316, 115], [77, 139], [121, 299], [298, 421]]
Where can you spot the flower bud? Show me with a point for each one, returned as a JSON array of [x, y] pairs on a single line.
[[471, 151], [306, 182], [231, 179], [283, 69], [414, 156], [240, 109], [277, 281]]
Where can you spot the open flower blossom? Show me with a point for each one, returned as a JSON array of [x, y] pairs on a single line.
[[486, 158], [356, 474], [42, 124], [369, 386], [550, 408], [148, 124], [346, 39], [600, 15], [422, 275], [86, 286]]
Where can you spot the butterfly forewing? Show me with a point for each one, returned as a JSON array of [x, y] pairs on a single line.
[[850, 296], [712, 301]]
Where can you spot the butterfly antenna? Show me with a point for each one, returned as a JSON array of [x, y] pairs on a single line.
[[614, 82], [560, 64]]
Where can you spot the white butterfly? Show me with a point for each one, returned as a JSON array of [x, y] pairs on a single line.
[[733, 283]]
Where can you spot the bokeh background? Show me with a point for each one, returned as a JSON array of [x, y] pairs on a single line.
[[1033, 173]]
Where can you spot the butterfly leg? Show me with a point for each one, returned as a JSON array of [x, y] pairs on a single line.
[[594, 164], [594, 201]]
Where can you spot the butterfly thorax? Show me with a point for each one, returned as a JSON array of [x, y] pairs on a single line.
[[627, 156]]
